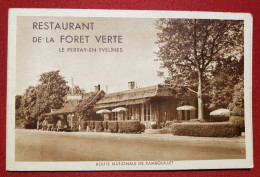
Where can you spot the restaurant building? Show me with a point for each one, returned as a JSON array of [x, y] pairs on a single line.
[[149, 104]]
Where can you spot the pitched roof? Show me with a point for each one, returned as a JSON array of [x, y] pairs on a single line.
[[134, 96], [70, 105]]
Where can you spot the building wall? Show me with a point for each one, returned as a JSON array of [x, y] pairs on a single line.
[[164, 110], [158, 110]]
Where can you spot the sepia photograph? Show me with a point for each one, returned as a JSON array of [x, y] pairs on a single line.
[[128, 90]]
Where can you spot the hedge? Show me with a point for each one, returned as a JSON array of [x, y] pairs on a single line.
[[224, 129], [177, 121], [112, 126], [30, 125], [99, 126], [166, 130], [196, 120], [142, 126], [154, 126], [218, 118], [168, 124], [239, 121], [131, 126]]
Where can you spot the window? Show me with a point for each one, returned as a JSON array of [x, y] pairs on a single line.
[[149, 111], [144, 112], [129, 113]]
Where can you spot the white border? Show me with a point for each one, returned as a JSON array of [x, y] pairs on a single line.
[[90, 166]]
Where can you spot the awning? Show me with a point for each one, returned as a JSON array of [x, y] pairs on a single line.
[[186, 107], [103, 111], [119, 109]]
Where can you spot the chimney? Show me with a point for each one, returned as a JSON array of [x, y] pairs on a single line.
[[97, 88], [131, 85]]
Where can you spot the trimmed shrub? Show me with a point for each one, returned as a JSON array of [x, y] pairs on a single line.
[[177, 121], [239, 121], [168, 124], [153, 126], [105, 125], [91, 126], [166, 130], [83, 125], [218, 118], [195, 120], [99, 126], [237, 111], [224, 129], [142, 127], [161, 125], [30, 125], [130, 126], [112, 126]]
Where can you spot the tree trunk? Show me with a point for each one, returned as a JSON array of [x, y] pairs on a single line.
[[200, 103]]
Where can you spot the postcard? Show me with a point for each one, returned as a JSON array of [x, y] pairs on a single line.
[[116, 90]]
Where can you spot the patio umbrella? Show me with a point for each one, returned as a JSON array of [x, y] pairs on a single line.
[[220, 112], [103, 111], [119, 109], [186, 107]]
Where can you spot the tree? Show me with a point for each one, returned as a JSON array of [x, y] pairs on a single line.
[[84, 109], [18, 103], [222, 84], [18, 110], [189, 49], [48, 94], [51, 91], [28, 104], [18, 100], [237, 104]]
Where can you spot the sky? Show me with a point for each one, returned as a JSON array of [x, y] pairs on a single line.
[[111, 69]]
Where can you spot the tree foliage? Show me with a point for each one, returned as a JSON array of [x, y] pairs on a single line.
[[84, 110], [190, 50], [51, 91], [37, 100], [225, 78], [237, 104]]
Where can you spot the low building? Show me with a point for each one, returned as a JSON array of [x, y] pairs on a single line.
[[149, 104], [67, 112]]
